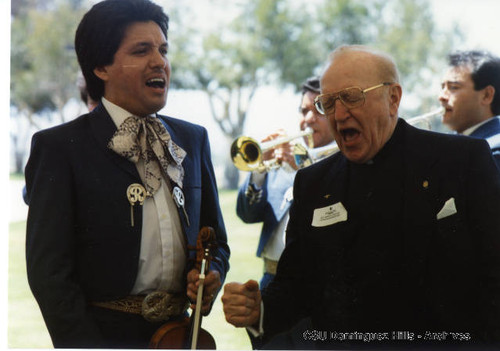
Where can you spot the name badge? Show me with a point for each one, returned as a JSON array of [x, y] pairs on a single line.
[[329, 215]]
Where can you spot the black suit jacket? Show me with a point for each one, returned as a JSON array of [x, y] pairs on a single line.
[[80, 244], [450, 268]]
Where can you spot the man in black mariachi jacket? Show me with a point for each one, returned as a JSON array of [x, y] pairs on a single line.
[[118, 196]]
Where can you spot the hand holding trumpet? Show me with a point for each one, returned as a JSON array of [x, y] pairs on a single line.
[[282, 153]]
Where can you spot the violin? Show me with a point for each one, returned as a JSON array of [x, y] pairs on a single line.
[[187, 333]]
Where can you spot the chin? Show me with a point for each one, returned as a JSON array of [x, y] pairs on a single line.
[[154, 108], [355, 157]]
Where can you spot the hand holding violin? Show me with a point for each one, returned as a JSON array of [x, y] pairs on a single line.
[[211, 285]]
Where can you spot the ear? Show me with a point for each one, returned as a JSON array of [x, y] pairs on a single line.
[[101, 73], [395, 94], [488, 95]]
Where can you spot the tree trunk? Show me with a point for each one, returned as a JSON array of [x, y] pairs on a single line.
[[231, 176]]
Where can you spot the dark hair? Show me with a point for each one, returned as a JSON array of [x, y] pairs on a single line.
[[82, 88], [312, 85], [485, 70], [101, 32]]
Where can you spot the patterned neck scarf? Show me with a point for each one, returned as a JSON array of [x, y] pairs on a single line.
[[147, 138]]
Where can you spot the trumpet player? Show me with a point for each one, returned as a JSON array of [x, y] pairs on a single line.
[[266, 197], [470, 95]]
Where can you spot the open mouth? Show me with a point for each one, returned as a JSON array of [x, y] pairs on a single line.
[[349, 134], [158, 83]]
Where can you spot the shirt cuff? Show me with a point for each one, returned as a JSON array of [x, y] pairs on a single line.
[[260, 332], [258, 178]]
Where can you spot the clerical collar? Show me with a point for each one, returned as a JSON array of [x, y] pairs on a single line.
[[389, 148]]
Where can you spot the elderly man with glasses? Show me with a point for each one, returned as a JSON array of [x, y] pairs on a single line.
[[392, 243]]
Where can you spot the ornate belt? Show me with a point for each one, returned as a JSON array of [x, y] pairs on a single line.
[[155, 307], [270, 266]]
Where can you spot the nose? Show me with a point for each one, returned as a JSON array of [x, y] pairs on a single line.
[[341, 113], [311, 116], [158, 59], [443, 95]]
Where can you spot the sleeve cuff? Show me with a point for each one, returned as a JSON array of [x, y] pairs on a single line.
[[260, 332], [253, 193]]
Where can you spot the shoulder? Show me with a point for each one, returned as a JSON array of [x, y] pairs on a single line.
[[178, 125], [437, 143], [493, 138], [64, 131], [319, 170]]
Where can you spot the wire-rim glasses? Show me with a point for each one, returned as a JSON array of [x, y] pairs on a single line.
[[350, 97]]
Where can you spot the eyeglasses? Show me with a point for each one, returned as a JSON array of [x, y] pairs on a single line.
[[350, 97]]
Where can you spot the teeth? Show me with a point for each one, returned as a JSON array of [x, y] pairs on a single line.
[[156, 80]]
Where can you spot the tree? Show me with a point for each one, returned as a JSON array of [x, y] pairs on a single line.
[[282, 42], [43, 64]]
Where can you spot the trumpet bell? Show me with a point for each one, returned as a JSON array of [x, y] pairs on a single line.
[[246, 154]]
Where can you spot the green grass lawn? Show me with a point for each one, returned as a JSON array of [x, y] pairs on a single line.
[[26, 328]]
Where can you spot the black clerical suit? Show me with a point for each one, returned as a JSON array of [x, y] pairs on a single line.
[[81, 244], [408, 242]]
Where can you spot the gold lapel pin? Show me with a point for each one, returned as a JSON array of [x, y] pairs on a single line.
[[425, 184], [135, 193]]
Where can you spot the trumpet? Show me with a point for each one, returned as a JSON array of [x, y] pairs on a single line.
[[246, 152], [305, 157], [425, 118]]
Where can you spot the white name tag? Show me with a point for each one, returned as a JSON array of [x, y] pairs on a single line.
[[329, 215]]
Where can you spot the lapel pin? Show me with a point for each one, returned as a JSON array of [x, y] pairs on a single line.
[[179, 201], [327, 196], [135, 193], [425, 184]]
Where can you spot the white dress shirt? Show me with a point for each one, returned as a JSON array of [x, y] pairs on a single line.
[[163, 246]]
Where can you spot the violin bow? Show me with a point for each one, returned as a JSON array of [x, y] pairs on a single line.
[[199, 298]]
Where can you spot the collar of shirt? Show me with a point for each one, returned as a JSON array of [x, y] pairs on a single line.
[[118, 114], [470, 130]]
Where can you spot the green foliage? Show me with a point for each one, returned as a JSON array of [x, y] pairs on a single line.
[[44, 66], [274, 42], [346, 22]]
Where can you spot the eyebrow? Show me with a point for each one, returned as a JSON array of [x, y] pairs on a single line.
[[457, 82], [149, 44]]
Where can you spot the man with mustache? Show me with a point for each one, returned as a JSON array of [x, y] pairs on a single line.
[[470, 94], [118, 196], [392, 243]]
